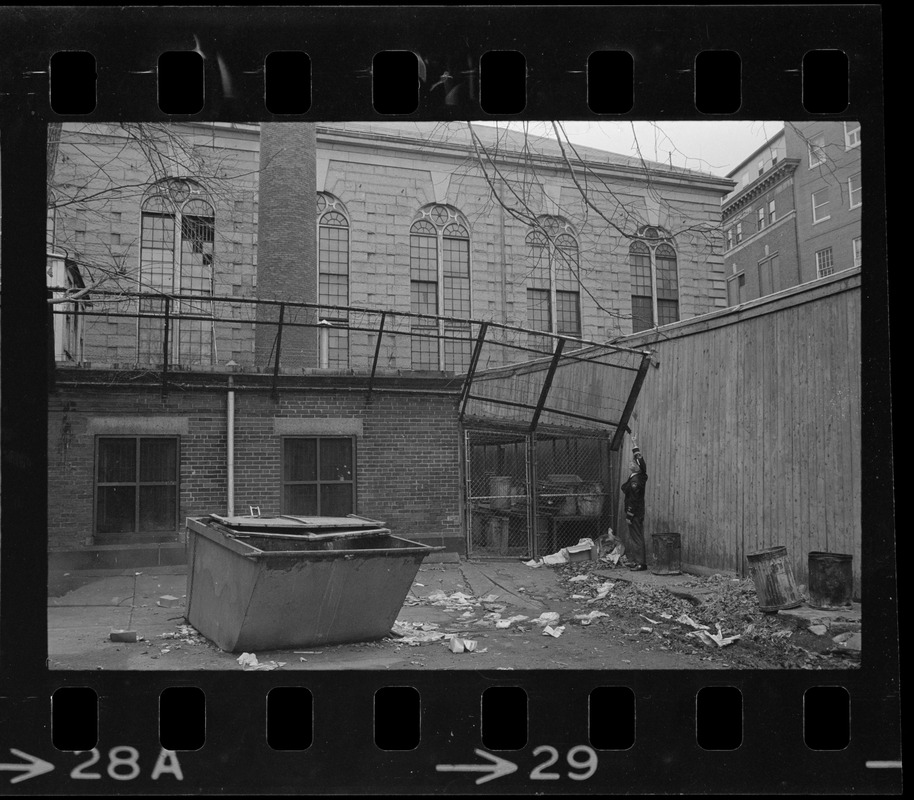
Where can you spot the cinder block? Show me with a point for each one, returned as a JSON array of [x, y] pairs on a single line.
[[122, 636]]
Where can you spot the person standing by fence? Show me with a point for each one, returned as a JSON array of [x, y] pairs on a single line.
[[633, 489]]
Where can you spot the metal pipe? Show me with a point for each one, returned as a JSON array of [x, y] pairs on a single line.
[[230, 449]]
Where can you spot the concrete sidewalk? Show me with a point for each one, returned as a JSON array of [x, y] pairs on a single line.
[[88, 606]]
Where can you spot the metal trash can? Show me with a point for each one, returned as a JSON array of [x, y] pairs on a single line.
[[667, 554], [773, 577], [249, 589]]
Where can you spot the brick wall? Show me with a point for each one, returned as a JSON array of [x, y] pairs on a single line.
[[407, 454]]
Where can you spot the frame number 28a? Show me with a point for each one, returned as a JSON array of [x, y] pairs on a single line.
[[124, 765]]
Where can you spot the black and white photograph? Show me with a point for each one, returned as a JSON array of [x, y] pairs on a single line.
[[454, 395]]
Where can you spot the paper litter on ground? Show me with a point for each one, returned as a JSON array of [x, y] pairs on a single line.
[[248, 662], [554, 632]]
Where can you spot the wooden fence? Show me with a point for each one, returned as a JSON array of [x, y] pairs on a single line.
[[750, 425]]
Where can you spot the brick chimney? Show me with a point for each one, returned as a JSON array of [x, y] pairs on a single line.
[[286, 242]]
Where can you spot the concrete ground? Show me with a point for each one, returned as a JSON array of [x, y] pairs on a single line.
[[83, 609]]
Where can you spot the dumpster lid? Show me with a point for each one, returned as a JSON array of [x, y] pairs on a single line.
[[352, 522]]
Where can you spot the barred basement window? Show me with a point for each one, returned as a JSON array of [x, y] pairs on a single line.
[[136, 484], [825, 263], [318, 476], [177, 239], [439, 263], [333, 280]]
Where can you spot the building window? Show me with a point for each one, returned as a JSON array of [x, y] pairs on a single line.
[[655, 284], [439, 259], [768, 275], [820, 211], [761, 167], [858, 252], [739, 232], [177, 237], [771, 215], [855, 191], [333, 281], [817, 150], [825, 264], [729, 233], [554, 287], [639, 255], [136, 484], [318, 476], [761, 218], [736, 289], [851, 135]]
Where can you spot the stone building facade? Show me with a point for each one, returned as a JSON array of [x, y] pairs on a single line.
[[156, 264]]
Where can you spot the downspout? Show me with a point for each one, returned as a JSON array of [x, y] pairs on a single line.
[[230, 449]]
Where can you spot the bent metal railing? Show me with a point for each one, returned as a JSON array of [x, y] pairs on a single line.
[[507, 375]]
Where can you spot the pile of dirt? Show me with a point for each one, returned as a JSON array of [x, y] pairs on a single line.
[[721, 622]]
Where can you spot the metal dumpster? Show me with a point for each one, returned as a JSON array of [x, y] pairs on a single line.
[[320, 581]]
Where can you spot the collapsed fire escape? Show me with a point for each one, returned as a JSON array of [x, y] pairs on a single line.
[[541, 414]]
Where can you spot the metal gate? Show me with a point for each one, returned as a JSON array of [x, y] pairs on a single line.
[[530, 494]]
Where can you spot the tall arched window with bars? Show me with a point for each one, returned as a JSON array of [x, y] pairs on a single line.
[[177, 238], [439, 272], [655, 280], [553, 281], [333, 280]]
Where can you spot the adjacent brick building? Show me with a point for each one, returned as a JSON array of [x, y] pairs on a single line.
[[795, 214], [198, 221]]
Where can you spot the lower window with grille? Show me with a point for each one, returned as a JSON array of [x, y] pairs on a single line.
[[318, 476], [136, 486]]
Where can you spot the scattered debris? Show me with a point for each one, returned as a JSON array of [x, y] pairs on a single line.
[[554, 632], [248, 662], [187, 634], [546, 618], [645, 629], [685, 619], [818, 630], [122, 635], [168, 601], [652, 621]]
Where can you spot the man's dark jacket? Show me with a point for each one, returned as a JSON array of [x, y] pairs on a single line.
[[634, 488]]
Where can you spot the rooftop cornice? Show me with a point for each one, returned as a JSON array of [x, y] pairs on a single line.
[[781, 171], [408, 144]]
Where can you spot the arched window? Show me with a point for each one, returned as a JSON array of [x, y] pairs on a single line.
[[439, 272], [333, 279], [553, 282], [655, 280], [177, 236]]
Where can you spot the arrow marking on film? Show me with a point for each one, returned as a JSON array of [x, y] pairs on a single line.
[[496, 769], [33, 769]]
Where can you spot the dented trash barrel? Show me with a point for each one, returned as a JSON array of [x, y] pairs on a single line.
[[252, 590], [773, 577], [667, 554], [831, 580]]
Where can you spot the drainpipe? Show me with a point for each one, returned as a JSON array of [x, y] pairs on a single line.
[[230, 446]]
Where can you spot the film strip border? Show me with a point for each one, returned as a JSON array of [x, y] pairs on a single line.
[[565, 732], [649, 731], [460, 63]]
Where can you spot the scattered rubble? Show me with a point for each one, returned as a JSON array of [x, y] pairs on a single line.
[[707, 615]]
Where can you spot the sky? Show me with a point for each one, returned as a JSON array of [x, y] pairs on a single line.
[[713, 146]]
